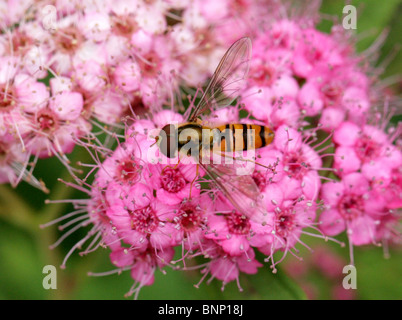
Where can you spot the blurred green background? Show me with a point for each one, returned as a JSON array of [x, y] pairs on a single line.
[[24, 246]]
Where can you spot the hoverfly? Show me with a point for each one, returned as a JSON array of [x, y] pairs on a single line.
[[223, 88]]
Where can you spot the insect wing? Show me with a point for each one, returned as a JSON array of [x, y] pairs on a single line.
[[228, 79], [240, 190]]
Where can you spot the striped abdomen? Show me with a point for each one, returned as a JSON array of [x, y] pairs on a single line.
[[241, 137]]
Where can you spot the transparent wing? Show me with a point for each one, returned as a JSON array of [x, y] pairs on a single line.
[[228, 79], [240, 190]]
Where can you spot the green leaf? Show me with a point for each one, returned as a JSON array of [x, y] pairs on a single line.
[[20, 264], [377, 277], [392, 49]]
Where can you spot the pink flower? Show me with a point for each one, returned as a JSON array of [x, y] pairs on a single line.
[[142, 264], [139, 218], [12, 158], [91, 77], [127, 76], [387, 230], [191, 218], [298, 162], [24, 92], [57, 125], [366, 148], [232, 230], [291, 217], [227, 268], [156, 66], [213, 11], [108, 107], [347, 205], [35, 61], [335, 88], [13, 11], [67, 106], [272, 109], [310, 99], [314, 50], [151, 16], [173, 185], [283, 34], [66, 44], [392, 193], [167, 117], [9, 69], [272, 86], [124, 167], [331, 118], [184, 39], [145, 264], [96, 25], [60, 84]]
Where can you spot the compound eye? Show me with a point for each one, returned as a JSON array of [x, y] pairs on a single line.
[[169, 130], [168, 141]]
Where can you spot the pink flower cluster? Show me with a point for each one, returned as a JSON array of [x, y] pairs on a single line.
[[152, 215], [333, 166], [65, 66], [301, 74], [143, 210]]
